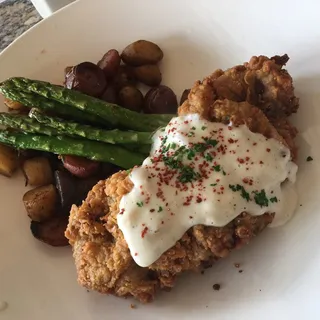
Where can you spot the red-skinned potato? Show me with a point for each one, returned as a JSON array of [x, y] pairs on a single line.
[[160, 100], [80, 167], [87, 78], [131, 98], [184, 96], [124, 77], [110, 95], [110, 63]]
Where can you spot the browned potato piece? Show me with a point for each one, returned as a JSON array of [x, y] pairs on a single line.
[[131, 98], [160, 100], [148, 74], [40, 202], [141, 52], [13, 105], [37, 171], [184, 96], [124, 77], [110, 95], [87, 78], [51, 231], [110, 63], [9, 161], [79, 166]]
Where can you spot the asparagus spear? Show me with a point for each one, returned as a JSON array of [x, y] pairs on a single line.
[[69, 128], [33, 100], [26, 124], [112, 113], [84, 148], [140, 148]]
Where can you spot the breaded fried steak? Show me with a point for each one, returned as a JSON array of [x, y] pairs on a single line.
[[259, 95]]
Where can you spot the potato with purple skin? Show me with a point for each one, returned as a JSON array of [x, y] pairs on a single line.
[[124, 77], [184, 96], [79, 166], [130, 98], [160, 100], [110, 95], [110, 63], [87, 78]]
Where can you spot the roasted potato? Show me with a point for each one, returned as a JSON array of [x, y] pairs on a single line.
[[148, 74], [124, 77], [141, 52], [40, 202], [37, 171], [9, 161], [51, 231], [160, 100], [184, 96], [110, 95], [87, 78], [13, 105], [66, 185], [79, 166], [73, 190], [110, 63], [131, 98]]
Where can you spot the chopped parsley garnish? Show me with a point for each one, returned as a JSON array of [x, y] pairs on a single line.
[[217, 168], [223, 172], [173, 145], [193, 128], [160, 209], [208, 157], [140, 204], [172, 163], [187, 174], [212, 142], [191, 134], [191, 154], [261, 199], [274, 199], [213, 184], [203, 128], [238, 187], [199, 147], [309, 158]]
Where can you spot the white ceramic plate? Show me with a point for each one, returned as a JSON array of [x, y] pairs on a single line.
[[281, 278]]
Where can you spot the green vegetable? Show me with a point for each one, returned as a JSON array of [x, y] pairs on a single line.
[[63, 145], [69, 128], [244, 194], [26, 124], [112, 113], [33, 100]]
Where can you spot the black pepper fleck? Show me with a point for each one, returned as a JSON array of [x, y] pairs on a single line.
[[216, 287]]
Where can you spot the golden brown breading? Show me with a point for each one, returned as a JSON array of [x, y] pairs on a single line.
[[102, 257]]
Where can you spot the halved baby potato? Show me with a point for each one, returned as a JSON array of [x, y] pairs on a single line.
[[40, 202], [8, 160]]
